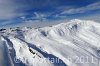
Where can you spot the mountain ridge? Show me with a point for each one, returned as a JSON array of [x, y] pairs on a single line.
[[75, 43]]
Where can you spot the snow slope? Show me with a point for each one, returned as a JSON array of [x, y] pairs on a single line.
[[75, 43]]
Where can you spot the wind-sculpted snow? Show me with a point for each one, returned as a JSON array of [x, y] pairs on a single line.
[[75, 43]]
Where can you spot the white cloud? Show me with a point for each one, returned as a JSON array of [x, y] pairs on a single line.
[[8, 9], [40, 16], [90, 7]]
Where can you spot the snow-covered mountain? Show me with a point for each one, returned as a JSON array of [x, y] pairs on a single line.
[[74, 43]]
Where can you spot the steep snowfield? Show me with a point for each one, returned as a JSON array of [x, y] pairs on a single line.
[[75, 43]]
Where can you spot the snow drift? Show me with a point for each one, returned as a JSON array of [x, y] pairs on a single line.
[[74, 43]]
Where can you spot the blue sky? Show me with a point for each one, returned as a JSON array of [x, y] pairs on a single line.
[[17, 12]]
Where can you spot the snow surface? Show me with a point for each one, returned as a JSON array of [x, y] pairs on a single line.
[[74, 43]]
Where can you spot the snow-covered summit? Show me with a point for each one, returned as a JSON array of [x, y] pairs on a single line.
[[71, 27]]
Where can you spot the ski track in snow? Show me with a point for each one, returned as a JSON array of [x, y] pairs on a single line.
[[4, 58], [73, 44]]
